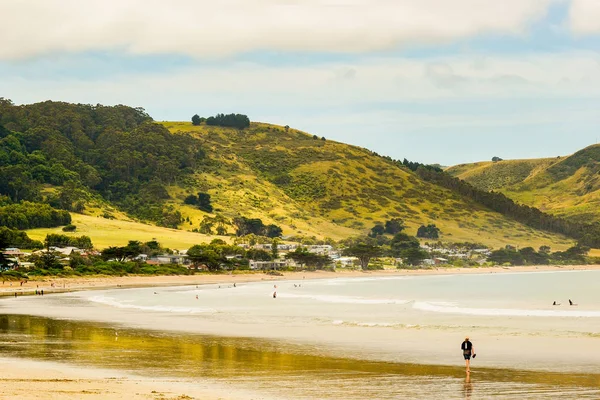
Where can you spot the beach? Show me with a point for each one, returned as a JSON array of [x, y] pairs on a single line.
[[201, 337], [51, 284], [32, 380]]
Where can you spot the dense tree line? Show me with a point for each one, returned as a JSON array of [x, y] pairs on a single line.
[[28, 215], [586, 234], [239, 121], [58, 240], [15, 238], [116, 151], [529, 256], [401, 246]]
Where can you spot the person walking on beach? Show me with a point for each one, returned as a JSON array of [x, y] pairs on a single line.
[[468, 351]]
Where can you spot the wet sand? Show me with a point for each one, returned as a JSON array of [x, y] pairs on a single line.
[[23, 379], [29, 380]]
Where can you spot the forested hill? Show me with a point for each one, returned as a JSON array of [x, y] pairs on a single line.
[[70, 154], [116, 162], [565, 186]]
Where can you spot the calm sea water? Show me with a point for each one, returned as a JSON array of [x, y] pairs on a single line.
[[395, 337]]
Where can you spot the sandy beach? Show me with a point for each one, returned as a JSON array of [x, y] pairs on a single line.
[[70, 284], [29, 380]]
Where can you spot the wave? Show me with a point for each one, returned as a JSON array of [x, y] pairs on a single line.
[[341, 281], [450, 308], [342, 299], [111, 301], [376, 324]]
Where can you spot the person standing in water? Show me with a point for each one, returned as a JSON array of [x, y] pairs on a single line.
[[468, 351]]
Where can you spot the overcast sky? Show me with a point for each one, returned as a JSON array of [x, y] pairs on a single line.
[[436, 81]]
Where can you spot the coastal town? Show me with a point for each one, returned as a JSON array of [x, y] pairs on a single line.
[[437, 256]]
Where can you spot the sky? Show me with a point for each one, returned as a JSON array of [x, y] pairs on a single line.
[[435, 81]]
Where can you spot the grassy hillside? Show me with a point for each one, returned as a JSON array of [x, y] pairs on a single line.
[[490, 175], [311, 186], [117, 165], [565, 186], [107, 232]]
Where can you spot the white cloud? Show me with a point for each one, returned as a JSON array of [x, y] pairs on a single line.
[[203, 28], [584, 17], [244, 86]]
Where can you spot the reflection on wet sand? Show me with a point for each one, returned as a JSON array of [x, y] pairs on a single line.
[[269, 366], [468, 387]]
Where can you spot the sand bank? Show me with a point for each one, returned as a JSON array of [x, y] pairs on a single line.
[[59, 285]]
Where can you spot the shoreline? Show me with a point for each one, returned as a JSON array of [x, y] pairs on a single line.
[[66, 381], [51, 284]]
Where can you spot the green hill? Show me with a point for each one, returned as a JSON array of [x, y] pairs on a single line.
[[564, 186], [116, 163], [312, 186]]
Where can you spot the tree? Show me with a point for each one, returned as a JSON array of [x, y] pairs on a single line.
[[413, 255], [430, 231], [239, 121], [221, 222], [196, 120], [364, 249], [206, 226], [202, 254], [496, 159], [273, 231], [300, 255], [191, 200], [377, 230], [258, 254], [133, 249], [402, 242], [274, 249], [394, 226], [48, 260], [204, 202], [544, 249], [305, 258]]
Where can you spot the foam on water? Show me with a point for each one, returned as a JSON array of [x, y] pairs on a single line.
[[111, 301], [374, 324], [443, 307], [342, 299], [342, 281]]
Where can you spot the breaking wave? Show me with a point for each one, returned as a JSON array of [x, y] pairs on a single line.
[[111, 301], [451, 308], [342, 299]]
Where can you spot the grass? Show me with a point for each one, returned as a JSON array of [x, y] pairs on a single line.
[[111, 232], [330, 189], [309, 187], [564, 186]]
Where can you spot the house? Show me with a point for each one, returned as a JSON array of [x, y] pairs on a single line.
[[266, 265], [168, 259], [13, 252], [440, 260]]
